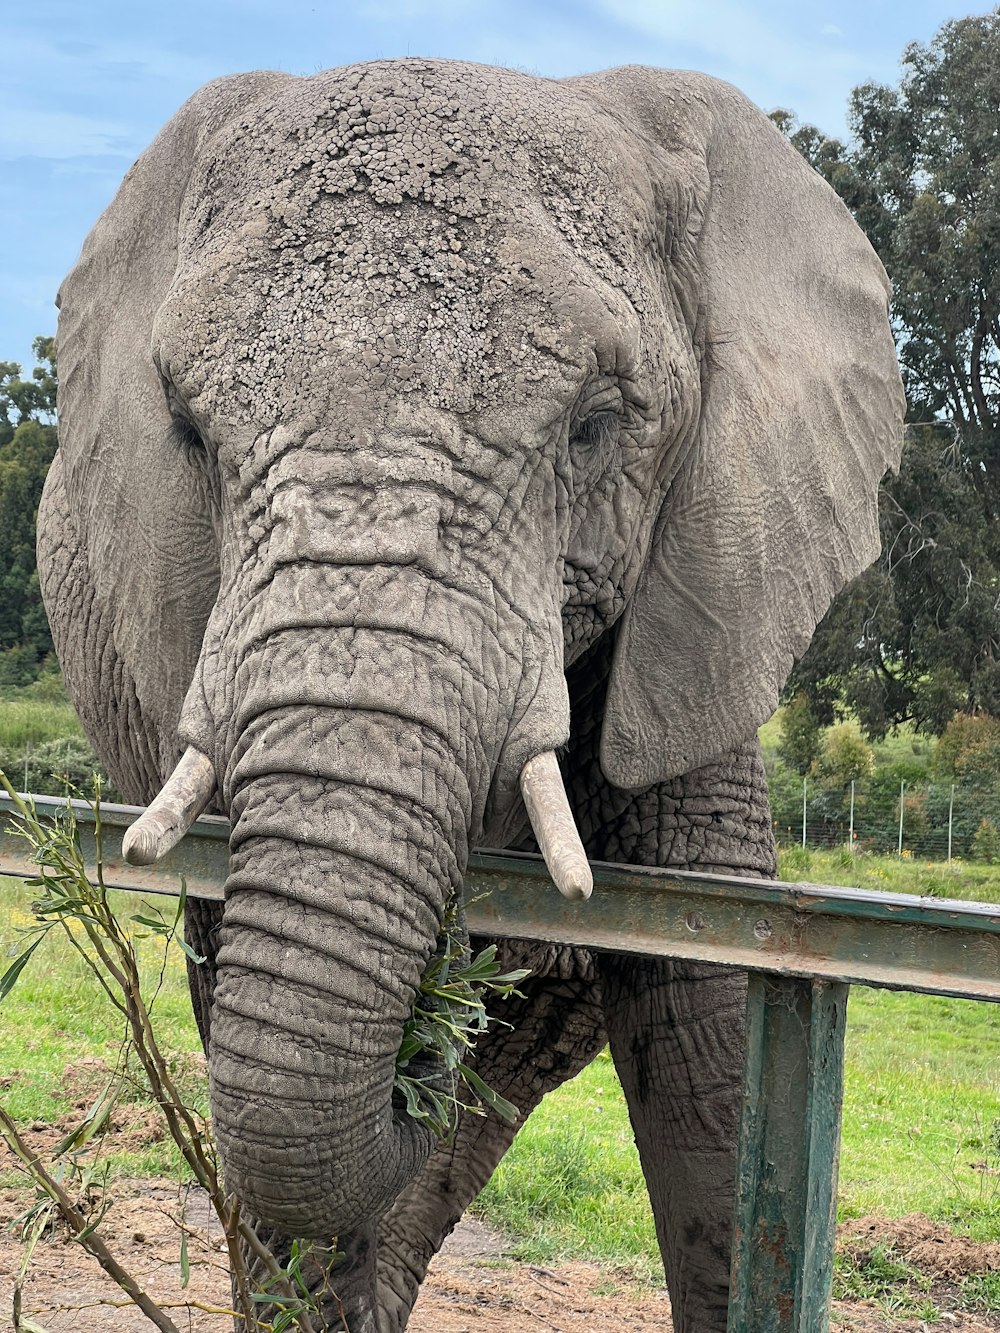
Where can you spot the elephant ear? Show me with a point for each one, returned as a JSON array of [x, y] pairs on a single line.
[[775, 506], [126, 537]]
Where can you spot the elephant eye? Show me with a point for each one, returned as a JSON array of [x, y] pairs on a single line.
[[595, 427], [185, 434], [596, 436]]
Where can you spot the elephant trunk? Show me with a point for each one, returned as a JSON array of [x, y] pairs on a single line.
[[334, 902]]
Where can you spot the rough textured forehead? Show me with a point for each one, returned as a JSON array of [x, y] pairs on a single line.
[[346, 200], [443, 133]]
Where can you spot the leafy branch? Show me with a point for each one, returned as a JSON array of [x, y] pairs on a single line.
[[69, 902], [449, 1015], [433, 1079]]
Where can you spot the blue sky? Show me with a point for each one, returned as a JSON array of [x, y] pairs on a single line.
[[87, 83]]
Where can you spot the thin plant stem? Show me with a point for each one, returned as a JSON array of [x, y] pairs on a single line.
[[88, 1238]]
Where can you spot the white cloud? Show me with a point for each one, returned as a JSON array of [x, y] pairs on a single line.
[[831, 30], [770, 62]]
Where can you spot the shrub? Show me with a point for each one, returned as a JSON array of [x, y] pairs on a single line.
[[52, 767], [800, 735], [845, 757], [18, 666], [963, 743], [986, 843]]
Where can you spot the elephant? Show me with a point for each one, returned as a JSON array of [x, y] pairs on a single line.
[[421, 421]]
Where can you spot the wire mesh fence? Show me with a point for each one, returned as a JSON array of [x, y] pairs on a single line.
[[60, 767], [938, 821]]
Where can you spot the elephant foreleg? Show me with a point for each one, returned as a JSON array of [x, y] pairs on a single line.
[[676, 1035], [676, 1029], [556, 1030]]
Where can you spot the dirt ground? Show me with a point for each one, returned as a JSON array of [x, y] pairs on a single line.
[[472, 1287]]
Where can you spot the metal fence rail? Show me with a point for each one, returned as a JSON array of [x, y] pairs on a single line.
[[802, 945]]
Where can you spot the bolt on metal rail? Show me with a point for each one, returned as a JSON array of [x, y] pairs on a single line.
[[803, 946]]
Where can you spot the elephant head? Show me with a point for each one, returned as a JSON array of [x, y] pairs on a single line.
[[385, 394]]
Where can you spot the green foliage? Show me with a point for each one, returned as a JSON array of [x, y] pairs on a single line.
[[18, 666], [785, 791], [921, 1097], [963, 741], [28, 400], [986, 843], [800, 734], [71, 1180], [27, 447], [981, 1292], [918, 635], [955, 778], [449, 1014], [889, 873], [55, 767], [880, 1276], [844, 757], [40, 712]]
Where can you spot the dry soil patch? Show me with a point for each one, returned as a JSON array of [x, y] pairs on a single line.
[[473, 1287]]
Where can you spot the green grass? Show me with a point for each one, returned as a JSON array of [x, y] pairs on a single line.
[[921, 1129], [35, 714], [922, 1110], [571, 1184], [57, 1016], [899, 1289], [891, 874], [921, 1106], [981, 1292]]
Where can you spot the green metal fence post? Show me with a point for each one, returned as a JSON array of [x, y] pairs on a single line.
[[786, 1181]]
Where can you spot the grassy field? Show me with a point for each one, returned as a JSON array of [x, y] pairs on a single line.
[[891, 874], [35, 714], [921, 1128], [921, 1120], [57, 1023]]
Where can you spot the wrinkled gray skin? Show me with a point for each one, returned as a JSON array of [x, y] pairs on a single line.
[[417, 418]]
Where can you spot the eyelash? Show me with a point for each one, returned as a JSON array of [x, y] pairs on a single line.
[[594, 434], [184, 436], [597, 435]]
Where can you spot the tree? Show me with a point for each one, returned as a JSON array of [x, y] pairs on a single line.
[[28, 400], [919, 635], [801, 739], [27, 446]]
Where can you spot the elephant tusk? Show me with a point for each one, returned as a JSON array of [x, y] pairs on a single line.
[[182, 799], [554, 826]]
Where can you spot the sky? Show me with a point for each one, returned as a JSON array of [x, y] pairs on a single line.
[[86, 84]]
